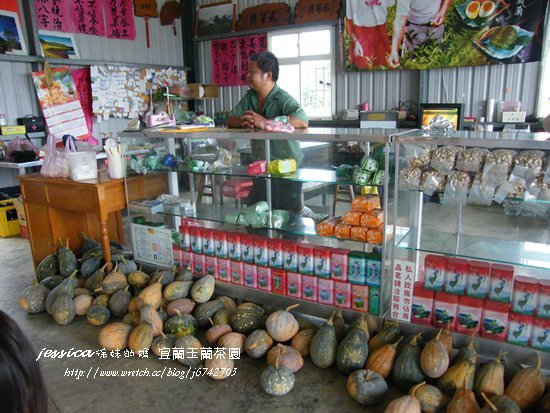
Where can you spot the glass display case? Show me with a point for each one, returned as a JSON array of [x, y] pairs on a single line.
[[472, 218], [220, 191]]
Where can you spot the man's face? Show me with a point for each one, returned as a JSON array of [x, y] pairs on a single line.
[[255, 78]]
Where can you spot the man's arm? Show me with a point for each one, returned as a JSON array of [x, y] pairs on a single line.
[[297, 123], [440, 16], [398, 32]]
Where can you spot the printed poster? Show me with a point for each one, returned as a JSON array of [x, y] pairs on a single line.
[[53, 15], [60, 104], [402, 290], [426, 34], [153, 245], [249, 45], [87, 17], [119, 17], [83, 86]]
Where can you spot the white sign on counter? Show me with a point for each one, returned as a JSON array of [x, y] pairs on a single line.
[[402, 290], [153, 245]]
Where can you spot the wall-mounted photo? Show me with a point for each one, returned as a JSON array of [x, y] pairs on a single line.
[[215, 18], [58, 45], [11, 37]]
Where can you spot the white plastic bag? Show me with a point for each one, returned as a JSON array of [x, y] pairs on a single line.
[[49, 167]]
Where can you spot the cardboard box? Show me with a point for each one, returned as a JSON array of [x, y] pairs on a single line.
[[9, 225], [20, 208], [13, 130], [203, 90]]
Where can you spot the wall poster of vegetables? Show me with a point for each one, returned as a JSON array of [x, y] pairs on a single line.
[[421, 34]]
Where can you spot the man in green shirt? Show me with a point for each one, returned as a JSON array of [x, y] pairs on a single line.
[[265, 101]]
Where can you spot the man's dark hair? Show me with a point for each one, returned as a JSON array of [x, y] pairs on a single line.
[[267, 62]]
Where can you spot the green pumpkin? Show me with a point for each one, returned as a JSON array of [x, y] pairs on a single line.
[[118, 304], [467, 352], [352, 351], [33, 299], [457, 376], [88, 243], [324, 346], [163, 344], [205, 311], [222, 316], [432, 400], [98, 314], [177, 289], [339, 325], [184, 275], [52, 281], [63, 310], [181, 325], [203, 289], [366, 387], [127, 266], [503, 404], [138, 279], [277, 380], [113, 282], [168, 276], [191, 347], [48, 267], [389, 334], [90, 266], [247, 318], [95, 280], [67, 286], [406, 369], [67, 260], [489, 379], [258, 343], [92, 252]]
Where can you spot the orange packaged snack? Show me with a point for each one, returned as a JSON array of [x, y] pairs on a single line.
[[372, 219], [365, 203], [359, 234], [374, 236], [353, 218], [342, 231], [326, 227]]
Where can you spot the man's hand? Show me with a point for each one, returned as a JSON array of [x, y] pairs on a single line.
[[251, 119], [439, 18], [393, 60]]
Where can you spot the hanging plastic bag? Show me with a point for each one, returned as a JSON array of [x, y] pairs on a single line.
[[21, 150], [456, 188], [62, 164], [49, 167]]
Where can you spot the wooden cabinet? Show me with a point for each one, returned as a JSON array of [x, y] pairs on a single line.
[[63, 209]]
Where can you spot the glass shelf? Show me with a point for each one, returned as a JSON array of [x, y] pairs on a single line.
[[442, 198], [529, 254]]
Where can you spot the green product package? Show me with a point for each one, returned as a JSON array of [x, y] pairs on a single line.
[[236, 218], [362, 177], [369, 164], [374, 300], [257, 214], [279, 218], [345, 171]]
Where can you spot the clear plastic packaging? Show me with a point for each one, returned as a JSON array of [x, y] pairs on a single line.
[[444, 158], [547, 170], [432, 181], [419, 155], [471, 160], [529, 163], [497, 167], [456, 189], [409, 178], [508, 189], [278, 124], [480, 194]]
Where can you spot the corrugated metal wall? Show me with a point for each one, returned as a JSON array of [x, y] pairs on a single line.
[[472, 86]]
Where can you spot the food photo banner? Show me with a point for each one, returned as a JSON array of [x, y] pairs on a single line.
[[416, 34]]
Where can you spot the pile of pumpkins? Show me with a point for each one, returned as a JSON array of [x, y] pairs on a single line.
[[164, 310]]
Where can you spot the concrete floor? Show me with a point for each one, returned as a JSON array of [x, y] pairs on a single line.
[[315, 390]]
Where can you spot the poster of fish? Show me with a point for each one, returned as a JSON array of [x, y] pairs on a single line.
[[425, 34]]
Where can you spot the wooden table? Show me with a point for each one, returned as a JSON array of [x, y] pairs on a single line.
[[61, 209]]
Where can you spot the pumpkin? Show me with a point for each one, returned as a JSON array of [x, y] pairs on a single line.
[[361, 323], [114, 336], [216, 331], [177, 289], [434, 359], [138, 279], [98, 315], [222, 316], [432, 400], [232, 340], [103, 300], [95, 280], [353, 351], [406, 369], [382, 359], [127, 266], [463, 401], [184, 275], [33, 299], [203, 289], [467, 352], [324, 346], [286, 356], [90, 266], [281, 325], [47, 267], [133, 318], [277, 380], [165, 277], [447, 340], [119, 302], [511, 368], [388, 335], [191, 353], [63, 309], [339, 325], [205, 311], [304, 323], [141, 338], [162, 345], [302, 341], [181, 325], [527, 386], [82, 304], [489, 379], [457, 376], [366, 387], [247, 318], [66, 260], [228, 303], [502, 404], [88, 243], [81, 291], [113, 282], [152, 294], [183, 305], [67, 286], [151, 316], [406, 404], [52, 281], [222, 366], [258, 343]]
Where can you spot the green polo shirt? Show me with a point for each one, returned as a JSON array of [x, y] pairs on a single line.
[[277, 103]]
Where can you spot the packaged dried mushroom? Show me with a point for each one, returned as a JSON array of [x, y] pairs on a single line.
[[471, 160], [530, 161], [456, 189], [444, 158], [480, 194], [432, 181], [497, 167], [409, 178], [419, 155]]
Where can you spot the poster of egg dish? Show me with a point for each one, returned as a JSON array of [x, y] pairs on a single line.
[[425, 34]]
